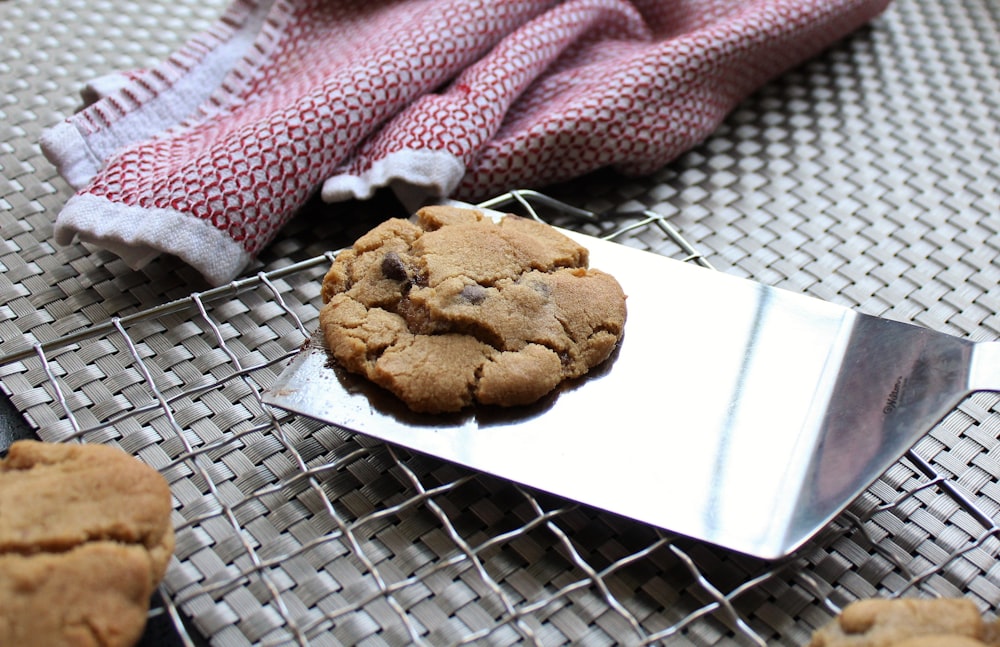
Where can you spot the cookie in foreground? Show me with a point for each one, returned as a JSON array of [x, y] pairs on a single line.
[[453, 308], [85, 538], [947, 622]]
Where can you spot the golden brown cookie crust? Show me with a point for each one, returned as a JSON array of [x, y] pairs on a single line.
[[907, 623], [85, 537], [453, 308]]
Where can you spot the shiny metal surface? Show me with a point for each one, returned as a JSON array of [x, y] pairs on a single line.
[[786, 409]]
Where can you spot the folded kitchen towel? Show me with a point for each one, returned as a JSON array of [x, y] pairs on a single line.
[[591, 84], [208, 154]]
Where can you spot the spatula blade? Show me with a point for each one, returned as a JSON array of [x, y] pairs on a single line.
[[735, 413]]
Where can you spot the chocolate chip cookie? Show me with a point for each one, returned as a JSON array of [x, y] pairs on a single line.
[[908, 623], [453, 308], [85, 537]]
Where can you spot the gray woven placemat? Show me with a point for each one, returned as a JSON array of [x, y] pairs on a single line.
[[867, 177]]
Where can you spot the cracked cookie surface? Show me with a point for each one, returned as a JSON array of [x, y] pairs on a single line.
[[453, 308], [85, 538]]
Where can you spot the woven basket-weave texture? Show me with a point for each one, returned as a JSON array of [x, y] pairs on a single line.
[[867, 177]]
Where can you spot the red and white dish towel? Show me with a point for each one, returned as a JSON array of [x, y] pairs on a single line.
[[208, 154]]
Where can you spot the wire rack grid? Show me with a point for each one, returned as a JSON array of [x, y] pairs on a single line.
[[293, 532], [867, 177]]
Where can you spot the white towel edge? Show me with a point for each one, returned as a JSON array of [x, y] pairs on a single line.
[[138, 235], [413, 175]]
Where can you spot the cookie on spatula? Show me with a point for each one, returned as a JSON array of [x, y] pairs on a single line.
[[454, 308]]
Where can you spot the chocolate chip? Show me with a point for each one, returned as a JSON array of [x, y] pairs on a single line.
[[542, 288], [473, 293], [393, 268]]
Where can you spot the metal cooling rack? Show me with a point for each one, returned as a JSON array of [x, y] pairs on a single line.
[[292, 532], [867, 177]]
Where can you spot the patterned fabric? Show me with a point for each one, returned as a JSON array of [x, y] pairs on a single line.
[[207, 155]]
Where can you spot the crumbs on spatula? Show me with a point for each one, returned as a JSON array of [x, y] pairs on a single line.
[[452, 308]]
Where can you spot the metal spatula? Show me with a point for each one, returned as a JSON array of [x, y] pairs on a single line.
[[748, 419]]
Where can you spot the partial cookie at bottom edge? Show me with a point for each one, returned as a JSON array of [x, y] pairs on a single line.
[[85, 537], [907, 622]]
